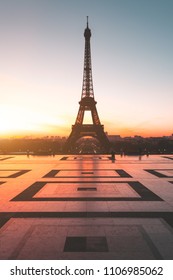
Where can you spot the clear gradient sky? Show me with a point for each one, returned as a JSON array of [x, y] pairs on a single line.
[[41, 65]]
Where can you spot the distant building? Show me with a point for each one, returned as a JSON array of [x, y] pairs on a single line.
[[113, 138], [138, 137], [129, 138]]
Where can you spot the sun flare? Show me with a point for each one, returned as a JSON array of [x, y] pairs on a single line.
[[19, 121]]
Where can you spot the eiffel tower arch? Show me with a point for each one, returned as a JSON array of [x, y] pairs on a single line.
[[87, 103]]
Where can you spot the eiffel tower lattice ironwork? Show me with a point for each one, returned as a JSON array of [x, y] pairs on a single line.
[[87, 103]]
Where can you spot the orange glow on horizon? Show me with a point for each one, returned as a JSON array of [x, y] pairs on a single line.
[[64, 131], [22, 122], [18, 122]]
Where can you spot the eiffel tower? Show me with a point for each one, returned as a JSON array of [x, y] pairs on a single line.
[[87, 103]]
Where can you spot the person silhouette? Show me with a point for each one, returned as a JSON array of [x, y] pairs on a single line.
[[112, 156]]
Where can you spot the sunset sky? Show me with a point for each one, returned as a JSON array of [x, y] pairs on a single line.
[[41, 65]]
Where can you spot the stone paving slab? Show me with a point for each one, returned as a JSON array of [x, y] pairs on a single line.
[[86, 207]]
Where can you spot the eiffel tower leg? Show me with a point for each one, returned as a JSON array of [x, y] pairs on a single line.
[[69, 146], [105, 144]]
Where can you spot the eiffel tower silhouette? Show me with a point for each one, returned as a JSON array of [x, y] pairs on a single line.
[[87, 103]]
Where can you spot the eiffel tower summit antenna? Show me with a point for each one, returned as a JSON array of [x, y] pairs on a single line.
[[74, 143]]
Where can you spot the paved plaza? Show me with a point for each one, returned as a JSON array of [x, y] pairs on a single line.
[[86, 207]]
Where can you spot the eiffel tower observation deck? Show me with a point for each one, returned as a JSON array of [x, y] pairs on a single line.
[[87, 138]]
